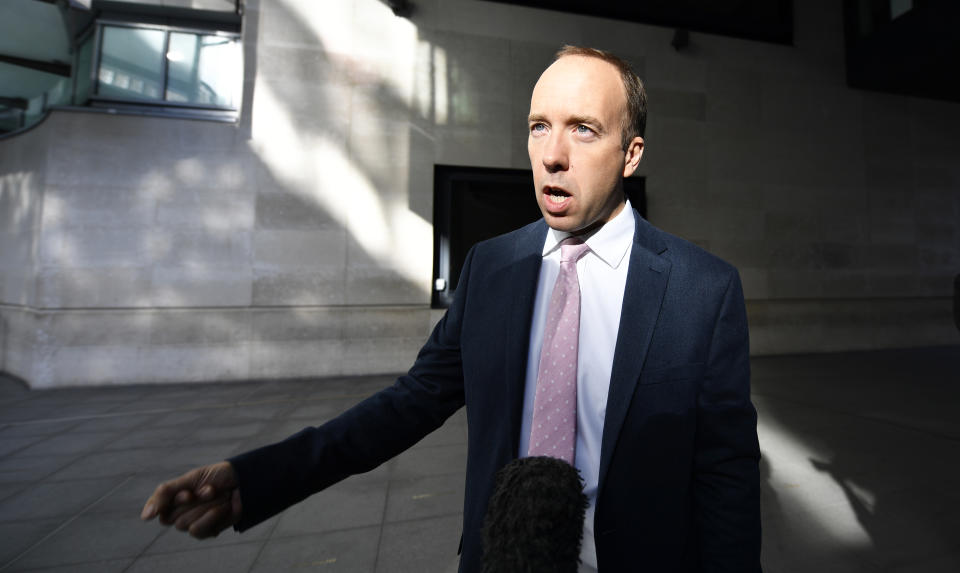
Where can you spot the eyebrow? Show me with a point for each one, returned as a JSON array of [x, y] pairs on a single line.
[[589, 119]]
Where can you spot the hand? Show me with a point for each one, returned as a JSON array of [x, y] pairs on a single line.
[[203, 501]]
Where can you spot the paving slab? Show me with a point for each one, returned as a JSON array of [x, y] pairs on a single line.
[[89, 538], [348, 550]]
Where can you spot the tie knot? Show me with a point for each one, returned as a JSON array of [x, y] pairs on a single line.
[[571, 249]]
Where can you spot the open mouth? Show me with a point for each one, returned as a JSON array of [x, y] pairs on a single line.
[[556, 197], [556, 194]]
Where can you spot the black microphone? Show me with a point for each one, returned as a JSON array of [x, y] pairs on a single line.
[[534, 521]]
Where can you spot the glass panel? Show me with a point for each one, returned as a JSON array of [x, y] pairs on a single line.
[[59, 93], [131, 63], [84, 63], [10, 119], [204, 70], [34, 110]]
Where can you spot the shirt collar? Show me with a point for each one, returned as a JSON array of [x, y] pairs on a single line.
[[609, 242]]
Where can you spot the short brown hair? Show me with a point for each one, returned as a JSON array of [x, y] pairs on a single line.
[[636, 121]]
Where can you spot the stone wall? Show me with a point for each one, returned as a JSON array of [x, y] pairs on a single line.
[[21, 199], [298, 242]]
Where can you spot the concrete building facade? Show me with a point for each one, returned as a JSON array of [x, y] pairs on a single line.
[[298, 241]]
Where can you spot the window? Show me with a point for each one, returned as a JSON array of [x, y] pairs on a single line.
[[169, 69], [131, 63]]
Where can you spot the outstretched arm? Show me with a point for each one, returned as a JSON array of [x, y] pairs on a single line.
[[267, 480], [277, 476]]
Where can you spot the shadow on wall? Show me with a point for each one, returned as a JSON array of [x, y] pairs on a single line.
[[19, 210], [326, 164]]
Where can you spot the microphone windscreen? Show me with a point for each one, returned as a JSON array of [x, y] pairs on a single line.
[[534, 521]]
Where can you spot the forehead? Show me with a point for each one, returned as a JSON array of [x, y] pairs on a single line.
[[580, 85]]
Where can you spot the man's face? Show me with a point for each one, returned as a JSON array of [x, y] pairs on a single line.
[[576, 114]]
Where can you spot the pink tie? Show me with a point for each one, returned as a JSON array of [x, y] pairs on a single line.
[[554, 428]]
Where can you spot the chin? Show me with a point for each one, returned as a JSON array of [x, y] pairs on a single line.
[[563, 224]]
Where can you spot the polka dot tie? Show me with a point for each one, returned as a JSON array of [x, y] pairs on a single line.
[[554, 429]]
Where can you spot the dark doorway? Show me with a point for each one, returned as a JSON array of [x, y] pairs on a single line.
[[472, 204]]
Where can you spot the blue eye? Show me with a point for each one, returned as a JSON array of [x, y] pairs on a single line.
[[538, 128], [584, 130]]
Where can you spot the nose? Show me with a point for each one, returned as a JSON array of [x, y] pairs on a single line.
[[555, 153]]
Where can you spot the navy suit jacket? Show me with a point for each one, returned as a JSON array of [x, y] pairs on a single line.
[[679, 482]]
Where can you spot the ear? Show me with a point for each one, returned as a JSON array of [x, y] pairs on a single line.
[[632, 157]]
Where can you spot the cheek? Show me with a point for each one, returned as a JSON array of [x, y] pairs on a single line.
[[611, 166], [598, 169], [600, 177]]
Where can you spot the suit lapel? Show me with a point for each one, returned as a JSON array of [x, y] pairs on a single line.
[[524, 276], [647, 279]]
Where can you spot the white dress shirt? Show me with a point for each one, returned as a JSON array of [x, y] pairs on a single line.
[[602, 273]]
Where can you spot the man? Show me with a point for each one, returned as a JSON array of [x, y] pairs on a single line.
[[665, 434]]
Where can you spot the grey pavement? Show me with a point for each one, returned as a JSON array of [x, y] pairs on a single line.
[[861, 470]]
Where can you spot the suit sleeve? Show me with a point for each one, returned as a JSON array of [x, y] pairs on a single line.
[[277, 476], [726, 471]]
